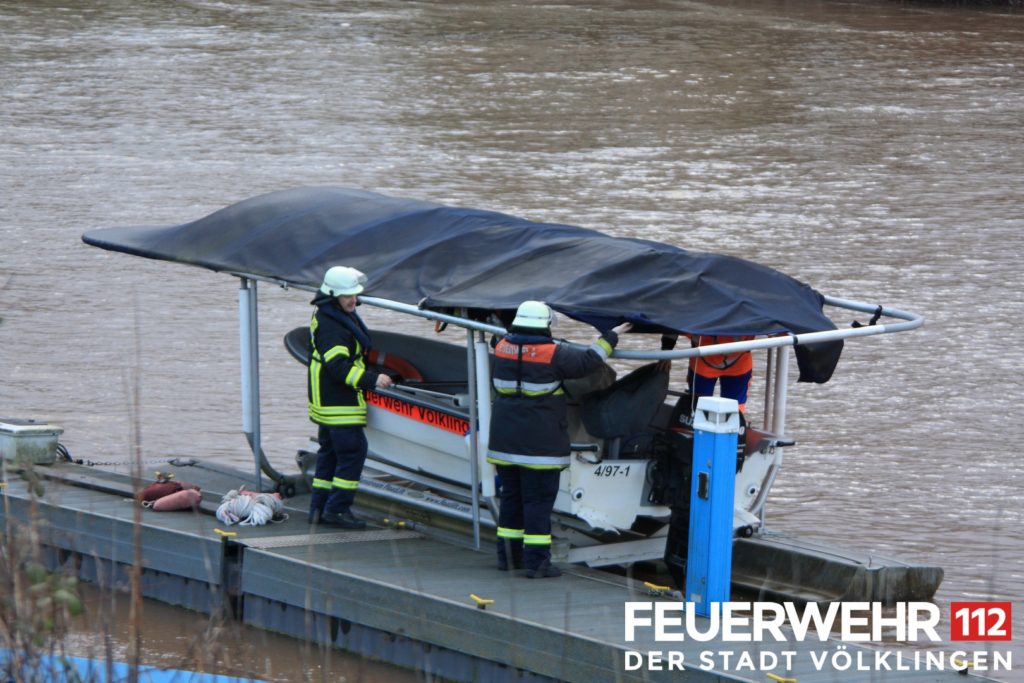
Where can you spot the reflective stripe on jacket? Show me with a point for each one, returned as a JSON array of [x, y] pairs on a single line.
[[337, 374], [721, 365], [529, 419]]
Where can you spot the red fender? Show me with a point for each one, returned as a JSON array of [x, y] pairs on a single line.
[[157, 490], [184, 499], [396, 364]]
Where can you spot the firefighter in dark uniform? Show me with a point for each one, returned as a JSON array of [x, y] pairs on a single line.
[[529, 437], [338, 376]]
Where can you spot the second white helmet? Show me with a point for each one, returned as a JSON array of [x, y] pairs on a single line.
[[343, 281], [535, 314]]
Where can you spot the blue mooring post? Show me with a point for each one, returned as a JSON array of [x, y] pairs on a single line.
[[716, 426]]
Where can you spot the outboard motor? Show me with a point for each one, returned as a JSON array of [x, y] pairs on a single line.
[[672, 452], [671, 480]]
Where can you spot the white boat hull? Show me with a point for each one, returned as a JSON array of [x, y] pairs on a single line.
[[421, 432]]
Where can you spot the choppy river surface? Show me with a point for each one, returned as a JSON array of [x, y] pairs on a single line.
[[872, 149]]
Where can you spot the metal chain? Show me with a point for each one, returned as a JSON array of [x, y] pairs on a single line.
[[66, 457], [108, 463]]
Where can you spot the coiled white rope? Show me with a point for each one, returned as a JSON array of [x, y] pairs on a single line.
[[247, 508]]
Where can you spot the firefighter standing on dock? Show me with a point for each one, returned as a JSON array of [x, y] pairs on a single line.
[[529, 438], [338, 376]]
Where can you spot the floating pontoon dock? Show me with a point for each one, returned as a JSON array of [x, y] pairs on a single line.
[[401, 595]]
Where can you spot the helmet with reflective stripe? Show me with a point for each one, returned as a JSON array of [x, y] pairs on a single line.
[[535, 314], [343, 281]]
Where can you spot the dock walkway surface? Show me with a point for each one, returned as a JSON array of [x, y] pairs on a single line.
[[396, 594]]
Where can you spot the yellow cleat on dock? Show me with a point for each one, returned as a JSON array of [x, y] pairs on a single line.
[[481, 603], [655, 589]]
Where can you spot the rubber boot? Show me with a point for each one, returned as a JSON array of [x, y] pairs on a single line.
[[509, 548], [316, 505], [342, 520], [546, 570]]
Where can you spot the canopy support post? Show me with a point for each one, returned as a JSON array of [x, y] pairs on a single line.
[[766, 418], [474, 429], [778, 424], [248, 336], [781, 391], [483, 402]]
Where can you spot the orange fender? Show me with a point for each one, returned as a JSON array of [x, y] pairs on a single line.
[[184, 499], [157, 490], [396, 364]]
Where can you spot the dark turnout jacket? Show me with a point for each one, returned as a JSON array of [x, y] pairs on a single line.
[[529, 419], [338, 374]]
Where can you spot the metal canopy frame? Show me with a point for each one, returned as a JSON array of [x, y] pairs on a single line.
[[777, 372]]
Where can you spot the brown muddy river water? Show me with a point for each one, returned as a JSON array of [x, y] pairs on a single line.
[[872, 149]]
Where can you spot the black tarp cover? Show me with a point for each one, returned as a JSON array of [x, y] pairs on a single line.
[[448, 257]]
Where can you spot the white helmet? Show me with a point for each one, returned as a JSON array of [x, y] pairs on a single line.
[[343, 281], [535, 314]]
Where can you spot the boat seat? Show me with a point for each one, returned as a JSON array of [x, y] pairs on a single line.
[[626, 408], [297, 344]]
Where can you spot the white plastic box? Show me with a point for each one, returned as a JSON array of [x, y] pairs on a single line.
[[28, 441]]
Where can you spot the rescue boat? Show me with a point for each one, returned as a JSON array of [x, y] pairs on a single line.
[[468, 269]]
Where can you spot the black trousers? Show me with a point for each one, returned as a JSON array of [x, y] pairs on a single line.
[[340, 461], [527, 499]]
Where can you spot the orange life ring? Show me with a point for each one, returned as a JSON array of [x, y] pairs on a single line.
[[396, 364]]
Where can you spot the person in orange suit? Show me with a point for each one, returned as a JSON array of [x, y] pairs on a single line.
[[733, 371]]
